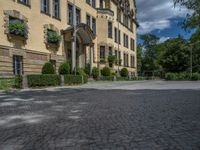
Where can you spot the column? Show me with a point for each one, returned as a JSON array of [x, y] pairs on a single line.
[[73, 55], [91, 58]]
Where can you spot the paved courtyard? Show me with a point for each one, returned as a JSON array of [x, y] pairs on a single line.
[[97, 119]]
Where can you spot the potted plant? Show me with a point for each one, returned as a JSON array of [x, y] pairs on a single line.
[[18, 28], [53, 37], [111, 60]]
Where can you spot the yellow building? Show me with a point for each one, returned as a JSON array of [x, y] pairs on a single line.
[[33, 32]]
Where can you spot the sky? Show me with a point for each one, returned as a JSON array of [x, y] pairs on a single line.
[[161, 18]]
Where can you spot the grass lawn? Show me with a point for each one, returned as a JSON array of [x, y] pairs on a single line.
[[6, 84]]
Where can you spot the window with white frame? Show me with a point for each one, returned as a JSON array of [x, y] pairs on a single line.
[[56, 8], [45, 6]]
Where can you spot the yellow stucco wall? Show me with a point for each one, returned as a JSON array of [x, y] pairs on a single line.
[[37, 20]]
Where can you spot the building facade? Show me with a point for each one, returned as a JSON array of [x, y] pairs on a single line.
[[33, 32]]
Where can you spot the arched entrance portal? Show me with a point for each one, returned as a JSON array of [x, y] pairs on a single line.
[[84, 39]]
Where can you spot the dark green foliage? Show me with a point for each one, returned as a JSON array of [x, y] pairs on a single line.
[[85, 78], [87, 69], [72, 79], [111, 59], [95, 72], [196, 76], [124, 72], [53, 37], [177, 76], [175, 57], [106, 71], [43, 80], [18, 81], [7, 83], [107, 78], [48, 68], [64, 68], [80, 71], [122, 78], [17, 27]]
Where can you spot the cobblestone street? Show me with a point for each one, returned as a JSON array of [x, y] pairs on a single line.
[[86, 119]]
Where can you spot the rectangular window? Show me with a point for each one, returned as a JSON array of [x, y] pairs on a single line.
[[132, 44], [88, 20], [25, 2], [56, 9], [45, 6], [78, 16], [102, 52], [119, 37], [110, 30], [70, 15], [94, 3], [132, 61], [100, 3], [116, 35], [110, 51], [126, 40], [94, 25], [88, 1], [124, 60], [17, 65]]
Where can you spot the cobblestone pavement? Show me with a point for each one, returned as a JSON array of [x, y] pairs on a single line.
[[86, 119]]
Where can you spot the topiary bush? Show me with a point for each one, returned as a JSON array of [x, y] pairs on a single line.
[[106, 71], [95, 72], [64, 68], [48, 68], [124, 72], [43, 80]]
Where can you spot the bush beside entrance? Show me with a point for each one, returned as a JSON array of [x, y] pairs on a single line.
[[43, 80]]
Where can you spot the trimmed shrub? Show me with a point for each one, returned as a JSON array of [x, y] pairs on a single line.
[[64, 68], [124, 72], [43, 80], [72, 79], [85, 78], [7, 83], [196, 76], [18, 82], [87, 69], [107, 78], [80, 71], [95, 72], [177, 76], [106, 71], [122, 78], [48, 68]]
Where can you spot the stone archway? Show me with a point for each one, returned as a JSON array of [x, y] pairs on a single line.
[[84, 39]]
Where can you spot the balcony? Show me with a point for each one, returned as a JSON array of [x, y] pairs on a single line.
[[105, 11]]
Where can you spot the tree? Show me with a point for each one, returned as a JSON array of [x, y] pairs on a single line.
[[150, 55], [139, 59], [192, 20], [175, 57]]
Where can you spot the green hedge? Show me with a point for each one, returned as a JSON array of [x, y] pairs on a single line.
[[7, 83], [122, 78], [43, 80], [72, 79], [18, 82], [177, 76], [85, 78], [196, 76], [107, 78]]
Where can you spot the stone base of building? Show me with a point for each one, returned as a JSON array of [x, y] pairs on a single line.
[[31, 62]]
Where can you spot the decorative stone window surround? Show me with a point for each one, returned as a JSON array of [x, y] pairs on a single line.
[[15, 14], [53, 28]]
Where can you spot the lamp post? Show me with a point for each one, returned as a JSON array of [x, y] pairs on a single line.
[[74, 40], [191, 62]]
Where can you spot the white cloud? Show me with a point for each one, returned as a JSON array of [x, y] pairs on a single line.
[[157, 14], [163, 39]]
